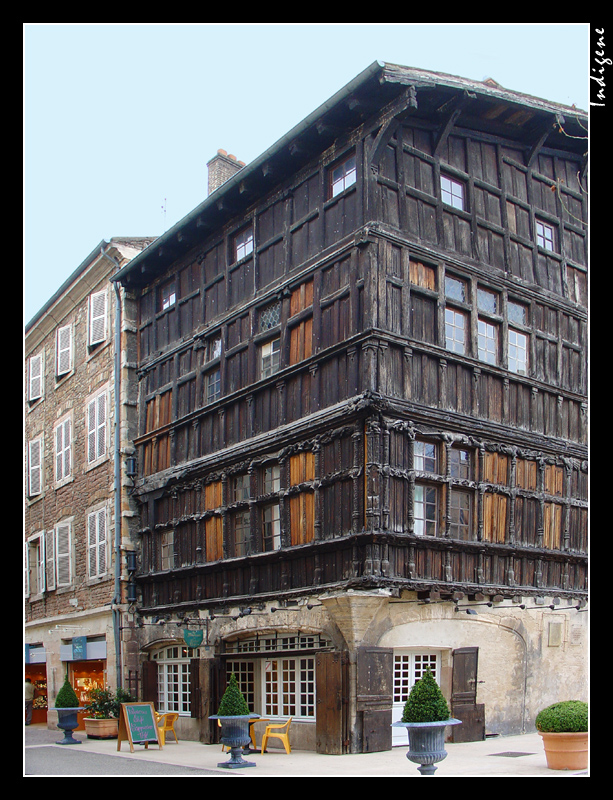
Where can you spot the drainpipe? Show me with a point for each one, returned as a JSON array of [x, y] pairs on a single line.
[[116, 602]]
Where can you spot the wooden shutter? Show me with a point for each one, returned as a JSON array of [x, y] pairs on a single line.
[[375, 670], [63, 450], [63, 348], [150, 682], [464, 704], [97, 317], [50, 581], [35, 467], [63, 555], [96, 428], [96, 542], [36, 377], [331, 709]]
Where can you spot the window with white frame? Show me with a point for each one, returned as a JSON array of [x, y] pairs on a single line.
[[271, 527], [342, 176], [35, 377], [213, 385], [96, 423], [63, 450], [270, 358], [63, 350], [97, 543], [173, 675], [425, 502], [167, 550], [452, 192], [98, 317], [409, 667], [460, 509], [545, 235], [518, 351], [425, 456], [35, 466], [278, 687], [243, 244], [487, 341]]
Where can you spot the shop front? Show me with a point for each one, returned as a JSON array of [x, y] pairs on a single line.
[[84, 659], [36, 671]]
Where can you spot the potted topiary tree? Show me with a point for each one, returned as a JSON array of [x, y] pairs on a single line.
[[67, 707], [425, 716], [563, 728], [233, 715], [102, 720]]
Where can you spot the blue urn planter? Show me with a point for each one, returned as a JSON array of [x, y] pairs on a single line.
[[426, 742], [235, 735], [67, 720]]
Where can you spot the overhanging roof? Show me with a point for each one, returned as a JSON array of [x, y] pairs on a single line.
[[436, 98]]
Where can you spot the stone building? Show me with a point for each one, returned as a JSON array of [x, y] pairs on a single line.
[[79, 518], [362, 406]]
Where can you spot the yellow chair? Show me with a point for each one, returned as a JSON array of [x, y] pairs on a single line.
[[278, 731], [165, 723]]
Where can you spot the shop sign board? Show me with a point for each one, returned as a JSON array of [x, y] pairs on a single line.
[[137, 725]]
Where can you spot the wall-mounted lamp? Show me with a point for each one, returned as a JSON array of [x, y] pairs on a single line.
[[131, 467]]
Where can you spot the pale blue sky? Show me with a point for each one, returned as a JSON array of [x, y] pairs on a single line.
[[121, 119]]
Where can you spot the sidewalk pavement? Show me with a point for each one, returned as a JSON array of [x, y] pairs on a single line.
[[504, 756]]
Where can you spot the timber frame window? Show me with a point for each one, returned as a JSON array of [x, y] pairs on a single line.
[[243, 244], [457, 320], [426, 495], [341, 176], [167, 295], [452, 192], [517, 340], [545, 235], [270, 358], [213, 385], [488, 326]]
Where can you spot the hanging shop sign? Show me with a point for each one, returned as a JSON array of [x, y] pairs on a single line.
[[193, 638]]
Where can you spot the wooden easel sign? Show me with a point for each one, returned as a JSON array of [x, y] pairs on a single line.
[[137, 724]]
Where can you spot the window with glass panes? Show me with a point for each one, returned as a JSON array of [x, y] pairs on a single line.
[[424, 510], [174, 678], [411, 667]]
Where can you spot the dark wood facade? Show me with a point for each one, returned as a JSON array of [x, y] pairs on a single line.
[[370, 385]]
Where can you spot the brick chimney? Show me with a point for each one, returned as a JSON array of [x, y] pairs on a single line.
[[221, 168]]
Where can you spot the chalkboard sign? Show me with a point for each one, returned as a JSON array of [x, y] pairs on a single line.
[[137, 725]]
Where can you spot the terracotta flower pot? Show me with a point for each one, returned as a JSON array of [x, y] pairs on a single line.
[[565, 750]]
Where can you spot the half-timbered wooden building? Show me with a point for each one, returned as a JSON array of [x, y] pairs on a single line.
[[362, 409]]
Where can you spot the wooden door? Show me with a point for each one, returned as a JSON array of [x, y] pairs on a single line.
[[375, 668], [464, 704], [331, 703]]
